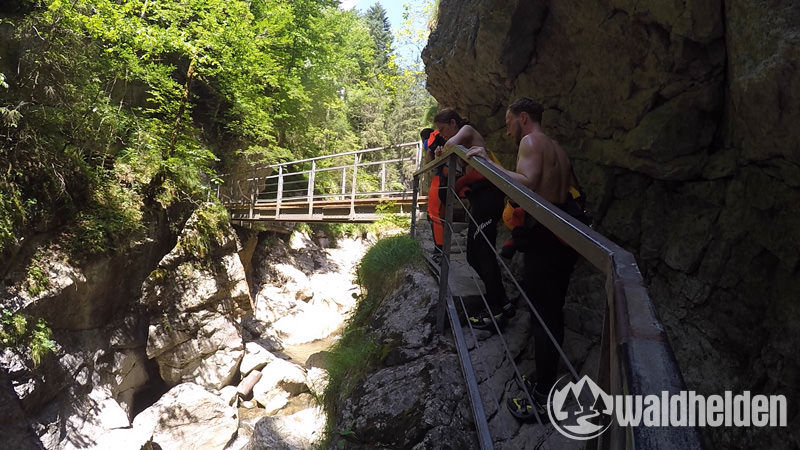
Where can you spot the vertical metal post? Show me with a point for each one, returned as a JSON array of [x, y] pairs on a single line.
[[252, 193], [258, 191], [280, 193], [311, 177], [344, 180], [603, 378], [383, 178], [353, 188], [444, 271], [414, 195]]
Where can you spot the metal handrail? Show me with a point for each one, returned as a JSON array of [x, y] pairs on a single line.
[[318, 158], [636, 357]]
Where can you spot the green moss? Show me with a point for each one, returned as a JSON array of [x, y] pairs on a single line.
[[211, 221]]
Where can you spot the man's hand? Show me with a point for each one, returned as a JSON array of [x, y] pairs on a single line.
[[477, 151]]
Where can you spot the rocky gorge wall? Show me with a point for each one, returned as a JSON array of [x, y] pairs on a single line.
[[214, 340], [681, 122]]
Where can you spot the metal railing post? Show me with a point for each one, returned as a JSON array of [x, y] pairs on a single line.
[[414, 196], [311, 177], [383, 178], [445, 264], [344, 181], [353, 188], [279, 197], [252, 194]]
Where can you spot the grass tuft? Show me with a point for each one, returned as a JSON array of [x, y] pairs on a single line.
[[357, 352]]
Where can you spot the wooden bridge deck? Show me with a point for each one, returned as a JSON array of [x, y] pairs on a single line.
[[335, 210]]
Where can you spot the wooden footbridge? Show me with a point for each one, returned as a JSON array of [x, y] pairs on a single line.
[[356, 186]]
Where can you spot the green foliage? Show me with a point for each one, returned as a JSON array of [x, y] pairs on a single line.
[[336, 230], [387, 207], [303, 227], [390, 223], [108, 223], [37, 280], [36, 342], [12, 213], [199, 237], [41, 343], [13, 328], [120, 107]]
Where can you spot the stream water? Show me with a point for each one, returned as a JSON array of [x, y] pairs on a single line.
[[312, 326]]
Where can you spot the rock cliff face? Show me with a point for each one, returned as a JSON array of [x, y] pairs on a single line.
[[416, 399], [194, 302], [681, 121], [114, 355]]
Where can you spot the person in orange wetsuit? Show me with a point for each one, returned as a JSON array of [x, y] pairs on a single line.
[[432, 141]]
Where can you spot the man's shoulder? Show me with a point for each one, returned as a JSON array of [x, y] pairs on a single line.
[[539, 141], [532, 142]]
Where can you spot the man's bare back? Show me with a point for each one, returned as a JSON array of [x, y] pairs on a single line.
[[552, 182]]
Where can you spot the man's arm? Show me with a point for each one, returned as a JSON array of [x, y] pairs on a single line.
[[465, 136], [529, 163]]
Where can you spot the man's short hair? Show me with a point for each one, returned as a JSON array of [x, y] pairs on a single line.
[[529, 106]]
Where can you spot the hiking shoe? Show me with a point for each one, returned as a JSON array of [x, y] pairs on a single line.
[[523, 410], [484, 322]]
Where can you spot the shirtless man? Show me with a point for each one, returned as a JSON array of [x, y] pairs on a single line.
[[544, 167]]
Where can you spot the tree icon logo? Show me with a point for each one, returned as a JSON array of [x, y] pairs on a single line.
[[581, 410]]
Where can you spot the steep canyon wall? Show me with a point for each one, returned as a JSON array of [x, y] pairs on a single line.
[[680, 118]]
